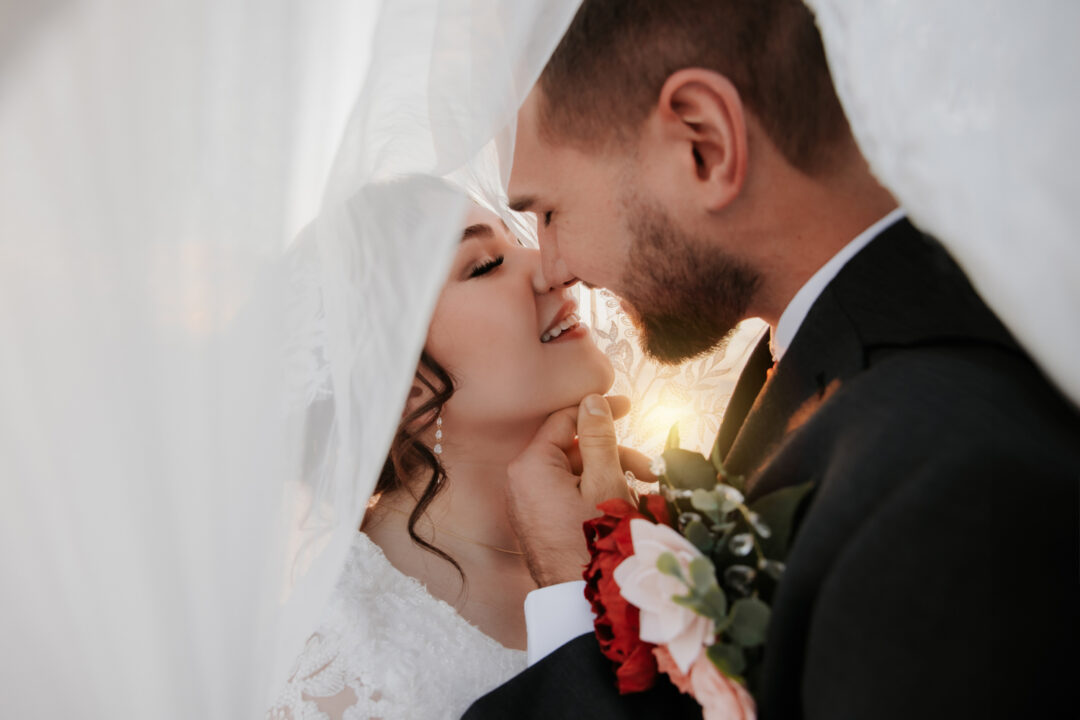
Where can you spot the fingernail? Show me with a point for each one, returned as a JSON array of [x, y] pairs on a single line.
[[596, 405]]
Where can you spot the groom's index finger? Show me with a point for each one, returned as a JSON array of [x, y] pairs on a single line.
[[546, 459], [601, 475], [558, 430]]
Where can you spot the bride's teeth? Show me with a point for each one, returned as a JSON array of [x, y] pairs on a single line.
[[551, 334], [571, 320]]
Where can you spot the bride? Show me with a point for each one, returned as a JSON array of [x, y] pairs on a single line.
[[428, 613]]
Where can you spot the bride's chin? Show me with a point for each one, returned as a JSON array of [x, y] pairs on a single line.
[[600, 380], [605, 374], [594, 376]]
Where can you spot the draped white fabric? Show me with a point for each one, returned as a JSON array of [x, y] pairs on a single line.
[[177, 494], [156, 158], [967, 111], [158, 450]]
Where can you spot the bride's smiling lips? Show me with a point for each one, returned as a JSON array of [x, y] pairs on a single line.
[[564, 324]]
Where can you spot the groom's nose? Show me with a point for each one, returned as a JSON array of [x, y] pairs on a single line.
[[556, 274], [543, 285]]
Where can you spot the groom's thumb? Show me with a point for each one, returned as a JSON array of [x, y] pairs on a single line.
[[601, 474]]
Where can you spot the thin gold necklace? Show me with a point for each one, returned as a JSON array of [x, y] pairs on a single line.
[[462, 537]]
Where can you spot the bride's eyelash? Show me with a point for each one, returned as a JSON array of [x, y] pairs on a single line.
[[486, 266]]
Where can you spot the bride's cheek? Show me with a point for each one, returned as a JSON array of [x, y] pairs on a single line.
[[606, 370]]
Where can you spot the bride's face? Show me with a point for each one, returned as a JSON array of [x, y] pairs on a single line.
[[511, 344]]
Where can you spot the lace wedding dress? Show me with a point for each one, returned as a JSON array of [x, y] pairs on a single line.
[[387, 649]]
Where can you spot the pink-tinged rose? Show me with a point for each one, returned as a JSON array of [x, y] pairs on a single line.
[[662, 621], [720, 697], [666, 665]]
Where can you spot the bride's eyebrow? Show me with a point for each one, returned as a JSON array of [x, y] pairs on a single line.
[[476, 231]]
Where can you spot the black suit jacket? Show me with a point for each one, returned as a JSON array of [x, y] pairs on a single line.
[[935, 571]]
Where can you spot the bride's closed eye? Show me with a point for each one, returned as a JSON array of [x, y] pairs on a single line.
[[486, 266]]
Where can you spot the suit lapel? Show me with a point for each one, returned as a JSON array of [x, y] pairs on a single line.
[[901, 290], [824, 354], [747, 389]]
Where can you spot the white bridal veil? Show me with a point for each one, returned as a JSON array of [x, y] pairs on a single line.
[[967, 110], [192, 417], [217, 264]]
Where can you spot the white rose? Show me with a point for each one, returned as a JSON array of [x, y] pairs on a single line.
[[663, 621]]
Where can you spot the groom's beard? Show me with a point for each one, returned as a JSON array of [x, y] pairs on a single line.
[[686, 296]]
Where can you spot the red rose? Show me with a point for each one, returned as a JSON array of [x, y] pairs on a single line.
[[609, 541]]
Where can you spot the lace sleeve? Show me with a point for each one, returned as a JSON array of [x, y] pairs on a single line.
[[322, 688], [386, 649]]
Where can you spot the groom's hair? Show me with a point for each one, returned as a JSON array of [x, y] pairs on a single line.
[[606, 74]]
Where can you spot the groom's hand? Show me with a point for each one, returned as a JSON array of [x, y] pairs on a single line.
[[573, 464]]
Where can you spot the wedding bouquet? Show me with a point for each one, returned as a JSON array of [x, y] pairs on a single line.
[[682, 583]]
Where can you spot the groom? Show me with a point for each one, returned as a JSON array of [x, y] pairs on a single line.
[[693, 158]]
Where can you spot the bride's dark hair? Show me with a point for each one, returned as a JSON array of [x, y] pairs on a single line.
[[410, 458]]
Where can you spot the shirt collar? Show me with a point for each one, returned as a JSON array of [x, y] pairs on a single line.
[[796, 311]]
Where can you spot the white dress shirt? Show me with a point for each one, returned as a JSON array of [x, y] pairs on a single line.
[[557, 614], [794, 314]]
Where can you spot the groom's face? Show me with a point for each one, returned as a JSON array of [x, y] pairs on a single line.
[[574, 196], [605, 217]]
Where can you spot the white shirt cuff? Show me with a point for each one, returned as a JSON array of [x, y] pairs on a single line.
[[554, 616]]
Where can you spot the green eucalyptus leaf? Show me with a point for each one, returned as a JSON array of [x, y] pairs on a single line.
[[672, 438], [728, 659], [704, 500], [668, 565], [696, 532], [702, 573], [778, 511], [772, 568], [693, 602], [749, 621], [736, 481], [689, 470], [717, 602], [727, 505]]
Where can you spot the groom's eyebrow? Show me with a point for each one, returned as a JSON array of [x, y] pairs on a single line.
[[522, 204]]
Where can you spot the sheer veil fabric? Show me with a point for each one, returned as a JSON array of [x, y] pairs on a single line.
[[192, 421], [194, 405], [967, 112]]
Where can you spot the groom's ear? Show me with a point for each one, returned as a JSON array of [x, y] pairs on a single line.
[[702, 121]]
